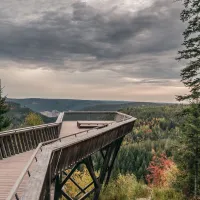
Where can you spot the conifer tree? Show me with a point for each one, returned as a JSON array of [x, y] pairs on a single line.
[[191, 52], [4, 108], [190, 159]]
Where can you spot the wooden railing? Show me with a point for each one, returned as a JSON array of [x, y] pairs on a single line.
[[71, 150], [93, 116], [66, 151], [87, 144], [24, 139]]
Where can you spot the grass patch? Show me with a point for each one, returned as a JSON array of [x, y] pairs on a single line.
[[125, 187], [166, 194]]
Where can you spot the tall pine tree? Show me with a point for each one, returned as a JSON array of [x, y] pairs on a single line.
[[190, 138], [191, 52], [4, 108]]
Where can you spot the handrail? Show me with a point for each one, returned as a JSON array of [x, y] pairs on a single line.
[[128, 116], [22, 175], [58, 121], [114, 132], [26, 168], [13, 192], [90, 130], [13, 131], [60, 117]]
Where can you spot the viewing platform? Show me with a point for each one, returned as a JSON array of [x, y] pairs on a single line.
[[32, 157]]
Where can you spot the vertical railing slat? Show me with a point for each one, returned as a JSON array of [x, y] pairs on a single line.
[[12, 146], [1, 154], [3, 148], [26, 141], [16, 143], [6, 143], [19, 142], [23, 142], [33, 139], [30, 142]]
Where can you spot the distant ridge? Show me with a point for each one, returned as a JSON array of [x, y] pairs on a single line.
[[42, 105], [18, 113]]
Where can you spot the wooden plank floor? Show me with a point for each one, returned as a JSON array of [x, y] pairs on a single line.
[[69, 128], [10, 169]]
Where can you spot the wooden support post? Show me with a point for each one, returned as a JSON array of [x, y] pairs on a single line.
[[97, 185], [85, 188], [87, 194], [109, 156], [116, 150], [3, 148], [57, 192], [75, 183], [66, 195], [69, 175], [101, 151]]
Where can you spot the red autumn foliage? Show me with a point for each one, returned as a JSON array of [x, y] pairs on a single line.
[[157, 170]]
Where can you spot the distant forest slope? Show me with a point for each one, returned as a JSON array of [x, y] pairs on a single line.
[[40, 105], [17, 115], [120, 106]]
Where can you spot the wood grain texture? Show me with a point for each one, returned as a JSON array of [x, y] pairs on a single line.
[[10, 169], [81, 143]]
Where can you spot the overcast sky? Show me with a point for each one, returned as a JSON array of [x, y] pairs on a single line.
[[91, 49]]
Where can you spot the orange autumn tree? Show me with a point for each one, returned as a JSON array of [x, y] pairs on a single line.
[[162, 171]]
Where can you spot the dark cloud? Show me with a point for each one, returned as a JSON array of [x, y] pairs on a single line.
[[144, 44]]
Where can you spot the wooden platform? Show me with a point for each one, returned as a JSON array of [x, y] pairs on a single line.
[[10, 169], [71, 127]]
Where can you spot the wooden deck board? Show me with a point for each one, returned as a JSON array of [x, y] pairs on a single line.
[[10, 169], [70, 127]]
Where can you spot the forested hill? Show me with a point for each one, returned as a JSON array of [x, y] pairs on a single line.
[[122, 106], [17, 114], [146, 166], [40, 105], [154, 133]]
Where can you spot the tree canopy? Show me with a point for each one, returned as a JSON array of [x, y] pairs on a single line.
[[33, 119], [4, 108], [191, 51]]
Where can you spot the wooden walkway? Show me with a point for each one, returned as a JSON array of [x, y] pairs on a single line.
[[69, 128], [11, 167]]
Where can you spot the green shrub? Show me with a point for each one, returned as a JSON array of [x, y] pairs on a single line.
[[124, 187], [166, 194]]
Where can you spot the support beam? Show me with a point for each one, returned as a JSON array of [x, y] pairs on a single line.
[[69, 175], [97, 185], [87, 195], [66, 195], [109, 157], [85, 188], [75, 183], [57, 192], [116, 150], [90, 167], [101, 151]]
